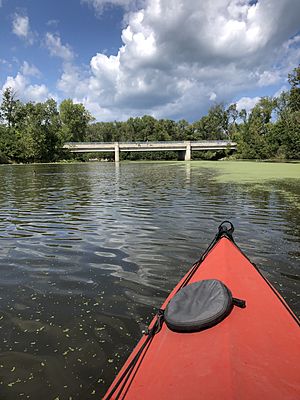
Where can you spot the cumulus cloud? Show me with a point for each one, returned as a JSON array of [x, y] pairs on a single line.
[[247, 103], [21, 27], [179, 56], [100, 5], [57, 49], [25, 90], [30, 70]]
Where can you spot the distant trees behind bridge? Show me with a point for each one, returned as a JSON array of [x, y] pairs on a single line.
[[36, 132]]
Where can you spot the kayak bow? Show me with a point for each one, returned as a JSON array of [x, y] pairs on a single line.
[[224, 332]]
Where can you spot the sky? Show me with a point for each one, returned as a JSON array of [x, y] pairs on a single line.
[[166, 58]]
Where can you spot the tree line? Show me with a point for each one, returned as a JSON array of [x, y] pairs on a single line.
[[36, 132]]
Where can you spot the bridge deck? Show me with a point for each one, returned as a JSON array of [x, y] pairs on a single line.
[[90, 147]]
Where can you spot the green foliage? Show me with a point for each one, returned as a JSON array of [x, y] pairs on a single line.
[[10, 108], [75, 119], [36, 132], [31, 132], [294, 81], [213, 126], [272, 130]]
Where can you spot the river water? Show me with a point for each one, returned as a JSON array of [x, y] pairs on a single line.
[[88, 252]]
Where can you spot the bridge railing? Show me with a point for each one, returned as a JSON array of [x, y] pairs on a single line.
[[178, 142]]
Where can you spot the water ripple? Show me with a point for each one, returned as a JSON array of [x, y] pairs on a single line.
[[89, 251]]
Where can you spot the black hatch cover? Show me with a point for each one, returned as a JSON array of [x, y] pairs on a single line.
[[199, 306]]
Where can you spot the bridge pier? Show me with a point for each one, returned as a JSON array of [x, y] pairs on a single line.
[[117, 152], [185, 155], [188, 152]]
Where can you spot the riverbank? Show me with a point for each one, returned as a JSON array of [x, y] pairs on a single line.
[[230, 159]]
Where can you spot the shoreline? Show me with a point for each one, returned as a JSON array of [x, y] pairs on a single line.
[[239, 160]]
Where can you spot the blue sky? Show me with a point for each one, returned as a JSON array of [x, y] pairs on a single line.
[[75, 23], [166, 58]]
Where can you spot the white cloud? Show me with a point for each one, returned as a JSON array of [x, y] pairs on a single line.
[[177, 56], [212, 96], [73, 82], [53, 22], [57, 49], [268, 78], [25, 90], [247, 103], [100, 5], [37, 92], [21, 28], [30, 70]]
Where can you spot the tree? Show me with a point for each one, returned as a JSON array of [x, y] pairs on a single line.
[[183, 130], [213, 126], [10, 107], [294, 81], [243, 115], [37, 136], [263, 111], [12, 116], [75, 120], [232, 116], [255, 131], [285, 135], [165, 130], [44, 126]]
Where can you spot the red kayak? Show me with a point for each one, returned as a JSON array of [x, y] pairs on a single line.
[[223, 333]]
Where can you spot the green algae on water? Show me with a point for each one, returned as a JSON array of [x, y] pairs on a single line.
[[250, 171]]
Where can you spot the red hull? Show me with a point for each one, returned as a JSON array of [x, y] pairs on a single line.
[[252, 354]]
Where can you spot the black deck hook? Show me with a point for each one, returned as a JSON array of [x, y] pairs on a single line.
[[224, 230]]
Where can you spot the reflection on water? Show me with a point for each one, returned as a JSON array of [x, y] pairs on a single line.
[[89, 251]]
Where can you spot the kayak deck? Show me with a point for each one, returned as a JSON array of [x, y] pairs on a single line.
[[253, 353]]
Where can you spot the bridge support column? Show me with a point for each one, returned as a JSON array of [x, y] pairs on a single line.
[[188, 152], [117, 152]]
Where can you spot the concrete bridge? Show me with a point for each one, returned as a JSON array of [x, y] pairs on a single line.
[[184, 148]]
